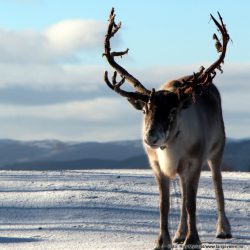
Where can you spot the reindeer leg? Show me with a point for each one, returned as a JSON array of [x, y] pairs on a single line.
[[191, 179], [223, 229], [181, 232], [164, 241]]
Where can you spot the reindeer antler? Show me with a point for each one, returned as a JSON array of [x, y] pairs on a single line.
[[141, 92], [204, 77], [132, 96]]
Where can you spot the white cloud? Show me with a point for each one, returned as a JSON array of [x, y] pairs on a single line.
[[236, 76], [237, 101], [47, 59], [101, 119], [56, 43], [36, 60], [95, 110], [72, 35], [51, 76], [90, 78], [25, 46], [68, 131]]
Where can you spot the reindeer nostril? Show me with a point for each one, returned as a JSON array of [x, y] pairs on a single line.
[[151, 133], [154, 140], [151, 137]]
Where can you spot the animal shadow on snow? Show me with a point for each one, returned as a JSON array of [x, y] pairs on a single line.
[[7, 240]]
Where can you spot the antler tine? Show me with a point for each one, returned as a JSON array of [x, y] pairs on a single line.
[[112, 30], [152, 96], [204, 77], [116, 87], [221, 48], [120, 53]]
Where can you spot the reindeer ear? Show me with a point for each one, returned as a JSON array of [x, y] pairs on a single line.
[[137, 104]]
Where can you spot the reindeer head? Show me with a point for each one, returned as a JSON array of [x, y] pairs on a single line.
[[161, 108]]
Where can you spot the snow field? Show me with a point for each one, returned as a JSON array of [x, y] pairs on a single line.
[[109, 209]]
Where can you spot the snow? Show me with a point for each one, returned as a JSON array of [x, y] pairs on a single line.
[[109, 209]]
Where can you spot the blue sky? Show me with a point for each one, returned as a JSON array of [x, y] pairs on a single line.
[[51, 67]]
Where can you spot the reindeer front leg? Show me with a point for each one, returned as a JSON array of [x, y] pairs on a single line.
[[181, 232], [191, 179], [164, 240]]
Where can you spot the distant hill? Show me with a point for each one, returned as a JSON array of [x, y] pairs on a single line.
[[237, 155], [56, 155], [12, 151]]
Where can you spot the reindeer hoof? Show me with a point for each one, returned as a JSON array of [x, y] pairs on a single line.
[[157, 248], [163, 243], [179, 240], [223, 228], [192, 243], [224, 235], [180, 236]]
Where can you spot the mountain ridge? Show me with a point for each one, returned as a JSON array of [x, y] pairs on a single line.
[[56, 154]]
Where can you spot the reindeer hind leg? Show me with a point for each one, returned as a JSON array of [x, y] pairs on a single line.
[[223, 228]]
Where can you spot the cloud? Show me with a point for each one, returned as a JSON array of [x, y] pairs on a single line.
[[24, 47], [101, 119], [43, 64], [30, 96], [54, 58], [236, 101], [46, 60], [236, 76], [95, 110], [237, 123], [73, 35], [51, 76], [56, 43], [40, 129]]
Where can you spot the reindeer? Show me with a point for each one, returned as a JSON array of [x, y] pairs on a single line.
[[183, 128]]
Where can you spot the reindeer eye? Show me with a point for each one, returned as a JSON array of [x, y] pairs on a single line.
[[173, 112]]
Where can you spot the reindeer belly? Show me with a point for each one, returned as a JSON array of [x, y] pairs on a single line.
[[168, 162]]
